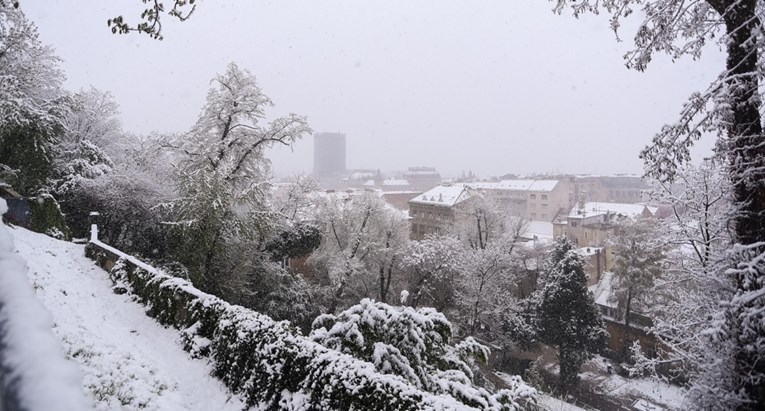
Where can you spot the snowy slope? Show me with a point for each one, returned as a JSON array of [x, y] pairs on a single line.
[[128, 360], [34, 372]]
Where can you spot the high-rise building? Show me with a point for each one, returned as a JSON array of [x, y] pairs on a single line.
[[328, 154]]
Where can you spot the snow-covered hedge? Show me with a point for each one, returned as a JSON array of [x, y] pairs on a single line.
[[267, 362], [415, 344], [34, 372]]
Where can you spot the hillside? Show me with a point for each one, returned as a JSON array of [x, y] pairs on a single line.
[[128, 361]]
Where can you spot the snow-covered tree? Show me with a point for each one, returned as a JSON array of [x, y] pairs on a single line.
[[222, 179], [688, 293], [297, 204], [566, 315], [639, 254], [483, 221], [362, 239], [731, 107], [126, 198], [430, 267], [484, 287], [297, 240], [92, 129], [32, 103], [415, 344]]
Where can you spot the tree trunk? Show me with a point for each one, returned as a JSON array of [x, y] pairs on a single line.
[[383, 290], [746, 150], [474, 320], [625, 341]]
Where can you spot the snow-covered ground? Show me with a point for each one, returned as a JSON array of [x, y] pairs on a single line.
[[637, 393], [649, 394], [545, 401], [128, 360]]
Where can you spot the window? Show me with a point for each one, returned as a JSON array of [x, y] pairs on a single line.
[[544, 205], [544, 196], [573, 224], [544, 215], [533, 215], [534, 196]]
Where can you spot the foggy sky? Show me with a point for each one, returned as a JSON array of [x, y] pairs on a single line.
[[491, 86]]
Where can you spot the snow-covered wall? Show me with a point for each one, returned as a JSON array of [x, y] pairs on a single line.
[[34, 372]]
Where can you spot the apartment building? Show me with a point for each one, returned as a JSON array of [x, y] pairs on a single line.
[[422, 178], [540, 200], [592, 224], [436, 210], [610, 189]]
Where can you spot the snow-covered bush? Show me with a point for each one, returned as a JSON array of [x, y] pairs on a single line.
[[46, 217], [270, 364], [414, 344]]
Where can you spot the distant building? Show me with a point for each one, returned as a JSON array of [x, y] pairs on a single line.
[[399, 199], [436, 210], [540, 200], [610, 189], [592, 224], [422, 178], [329, 154]]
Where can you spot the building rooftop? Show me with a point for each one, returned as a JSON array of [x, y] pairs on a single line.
[[517, 185], [421, 171], [395, 182], [445, 195], [540, 229], [602, 290], [591, 209]]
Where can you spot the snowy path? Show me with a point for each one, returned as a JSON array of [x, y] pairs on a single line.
[[128, 360]]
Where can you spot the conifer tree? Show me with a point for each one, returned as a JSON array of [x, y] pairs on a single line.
[[567, 315]]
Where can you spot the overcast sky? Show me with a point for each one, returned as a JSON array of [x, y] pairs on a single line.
[[491, 86]]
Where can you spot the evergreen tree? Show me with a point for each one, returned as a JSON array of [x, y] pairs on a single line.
[[566, 313]]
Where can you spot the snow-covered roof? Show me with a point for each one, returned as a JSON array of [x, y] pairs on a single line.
[[516, 185], [421, 171], [401, 192], [602, 290], [541, 229], [361, 175], [369, 183], [445, 195], [395, 182], [593, 208], [543, 185]]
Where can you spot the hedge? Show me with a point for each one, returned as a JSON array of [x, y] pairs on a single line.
[[268, 363]]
